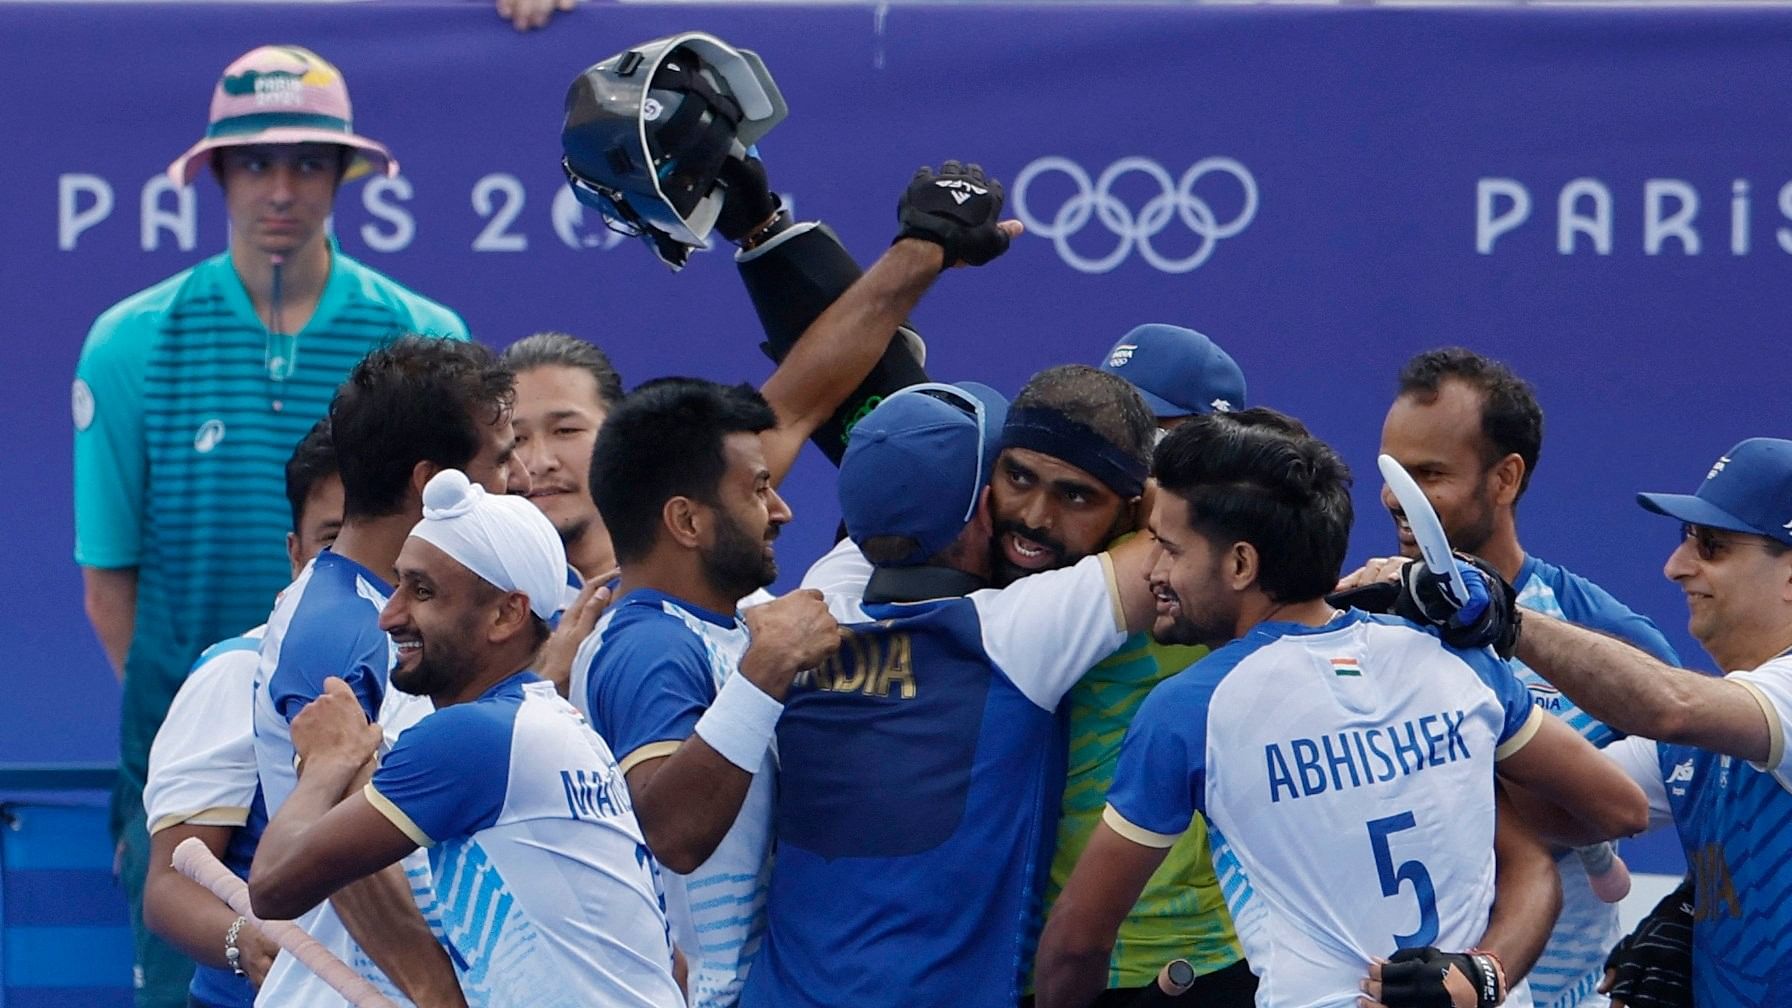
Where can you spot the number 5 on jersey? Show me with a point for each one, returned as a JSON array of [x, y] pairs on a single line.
[[1409, 871]]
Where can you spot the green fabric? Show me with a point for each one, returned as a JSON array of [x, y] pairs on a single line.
[[1181, 913], [179, 467], [160, 973]]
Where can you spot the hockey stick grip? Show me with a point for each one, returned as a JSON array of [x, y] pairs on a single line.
[[194, 860]]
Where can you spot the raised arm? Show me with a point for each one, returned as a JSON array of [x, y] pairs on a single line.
[[947, 217], [1640, 695]]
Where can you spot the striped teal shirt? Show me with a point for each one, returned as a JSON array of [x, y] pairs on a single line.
[[181, 439]]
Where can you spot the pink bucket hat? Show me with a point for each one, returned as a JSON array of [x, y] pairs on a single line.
[[281, 95]]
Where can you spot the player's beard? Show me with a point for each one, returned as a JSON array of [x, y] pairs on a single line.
[[442, 664], [573, 530], [1004, 572], [1206, 614], [1471, 534], [739, 563]]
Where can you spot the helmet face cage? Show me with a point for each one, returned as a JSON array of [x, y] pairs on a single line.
[[619, 216]]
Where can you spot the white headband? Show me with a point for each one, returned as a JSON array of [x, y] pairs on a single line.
[[505, 540]]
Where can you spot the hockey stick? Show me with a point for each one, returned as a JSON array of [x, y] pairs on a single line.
[[194, 860]]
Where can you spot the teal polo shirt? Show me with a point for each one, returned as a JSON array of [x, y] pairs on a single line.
[[181, 440]]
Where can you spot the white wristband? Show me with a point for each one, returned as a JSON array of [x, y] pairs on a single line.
[[740, 724]]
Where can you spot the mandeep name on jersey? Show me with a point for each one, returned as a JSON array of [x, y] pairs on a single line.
[[1358, 757], [595, 794]]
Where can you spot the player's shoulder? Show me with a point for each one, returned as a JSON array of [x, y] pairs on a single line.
[[332, 603], [649, 627], [481, 725], [132, 325], [415, 312], [248, 642]]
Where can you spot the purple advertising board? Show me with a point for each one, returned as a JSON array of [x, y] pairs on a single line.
[[1602, 197]]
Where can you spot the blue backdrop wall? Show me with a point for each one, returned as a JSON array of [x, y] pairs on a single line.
[[1602, 197]]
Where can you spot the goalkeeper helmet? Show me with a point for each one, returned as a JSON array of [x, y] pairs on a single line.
[[648, 130]]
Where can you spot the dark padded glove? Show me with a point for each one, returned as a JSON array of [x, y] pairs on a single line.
[[747, 198], [1414, 978], [956, 208], [1652, 966], [1489, 618]]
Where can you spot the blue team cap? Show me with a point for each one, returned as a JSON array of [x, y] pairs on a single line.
[[916, 465], [1177, 371], [1749, 490]]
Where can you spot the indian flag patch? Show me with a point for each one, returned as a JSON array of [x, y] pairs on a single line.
[[1346, 667]]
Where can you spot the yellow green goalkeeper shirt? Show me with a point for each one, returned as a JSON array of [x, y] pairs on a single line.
[[1181, 913]]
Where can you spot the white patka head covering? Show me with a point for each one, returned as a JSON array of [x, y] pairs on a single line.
[[505, 540]]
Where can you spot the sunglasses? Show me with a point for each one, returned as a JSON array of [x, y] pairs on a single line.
[[1709, 545]]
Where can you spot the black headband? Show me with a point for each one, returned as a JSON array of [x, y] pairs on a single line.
[[1050, 432]]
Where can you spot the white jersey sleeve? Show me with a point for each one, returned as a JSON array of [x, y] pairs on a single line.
[[842, 570], [1045, 630], [1771, 686], [1640, 759], [202, 764]]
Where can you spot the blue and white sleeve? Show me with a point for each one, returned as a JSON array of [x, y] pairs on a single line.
[[315, 649], [1771, 686], [1047, 630], [446, 776], [1519, 715], [1160, 777], [648, 685]]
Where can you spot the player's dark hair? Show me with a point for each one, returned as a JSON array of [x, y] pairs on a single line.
[[416, 399], [313, 459], [664, 440], [1257, 476], [558, 349], [1511, 420], [1106, 404]]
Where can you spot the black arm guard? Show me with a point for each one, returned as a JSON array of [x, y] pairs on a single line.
[[791, 284]]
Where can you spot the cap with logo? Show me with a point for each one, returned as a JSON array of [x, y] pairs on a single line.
[[1748, 490], [916, 465], [281, 94], [1177, 371]]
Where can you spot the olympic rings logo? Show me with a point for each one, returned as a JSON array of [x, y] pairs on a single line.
[[1176, 201]]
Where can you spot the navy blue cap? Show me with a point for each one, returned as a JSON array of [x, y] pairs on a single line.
[[1748, 490], [916, 465], [1177, 371]]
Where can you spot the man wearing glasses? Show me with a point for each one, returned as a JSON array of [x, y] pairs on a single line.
[[1721, 770], [1469, 431]]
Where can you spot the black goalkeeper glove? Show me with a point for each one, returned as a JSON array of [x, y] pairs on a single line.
[[1490, 617], [956, 208], [1652, 966], [1414, 978], [747, 199]]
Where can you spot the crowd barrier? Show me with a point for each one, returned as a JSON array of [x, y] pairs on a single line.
[[64, 938]]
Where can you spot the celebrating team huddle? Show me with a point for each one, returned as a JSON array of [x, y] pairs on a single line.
[[1081, 709]]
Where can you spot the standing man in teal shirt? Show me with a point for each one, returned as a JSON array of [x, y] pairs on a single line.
[[189, 395]]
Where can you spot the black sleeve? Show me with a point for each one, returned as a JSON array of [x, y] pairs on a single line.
[[791, 284]]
